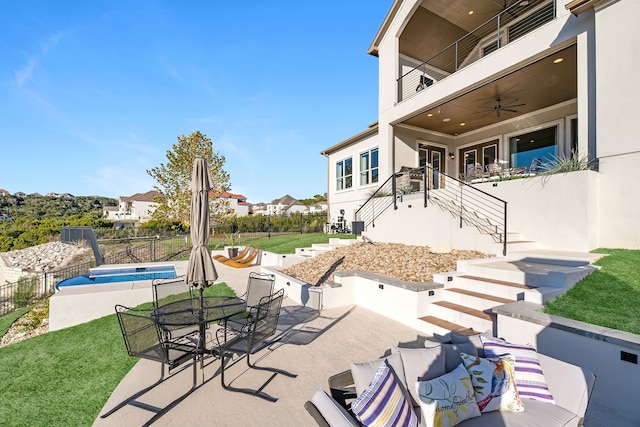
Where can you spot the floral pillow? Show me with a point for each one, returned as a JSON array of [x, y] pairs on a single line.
[[493, 383], [447, 400], [383, 403], [530, 379]]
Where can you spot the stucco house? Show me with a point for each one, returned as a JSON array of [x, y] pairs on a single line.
[[138, 207], [468, 85], [237, 202]]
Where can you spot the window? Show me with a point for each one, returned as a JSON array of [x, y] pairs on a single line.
[[540, 145], [369, 167], [344, 174]]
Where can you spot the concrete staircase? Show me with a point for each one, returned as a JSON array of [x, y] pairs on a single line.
[[320, 248], [470, 293]]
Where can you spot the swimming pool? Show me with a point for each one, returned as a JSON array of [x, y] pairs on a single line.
[[99, 275]]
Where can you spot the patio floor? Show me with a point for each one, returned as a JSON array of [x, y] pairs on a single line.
[[312, 345]]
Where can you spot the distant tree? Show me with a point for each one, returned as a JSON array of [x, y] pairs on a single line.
[[316, 199], [173, 178]]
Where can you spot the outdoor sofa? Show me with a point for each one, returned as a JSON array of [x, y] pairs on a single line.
[[550, 392]]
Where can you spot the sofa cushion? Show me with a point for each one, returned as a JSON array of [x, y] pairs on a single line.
[[452, 353], [493, 382], [474, 339], [364, 372], [448, 399], [420, 364], [535, 414], [530, 379], [383, 403]]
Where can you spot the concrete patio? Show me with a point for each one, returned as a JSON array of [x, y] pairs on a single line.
[[314, 345]]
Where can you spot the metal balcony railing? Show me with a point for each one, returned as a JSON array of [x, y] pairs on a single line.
[[473, 207], [510, 24]]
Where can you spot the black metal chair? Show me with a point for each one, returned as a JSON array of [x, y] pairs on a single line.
[[255, 333], [169, 290], [143, 339], [259, 285]]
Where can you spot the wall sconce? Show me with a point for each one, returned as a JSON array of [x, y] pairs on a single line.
[[452, 156]]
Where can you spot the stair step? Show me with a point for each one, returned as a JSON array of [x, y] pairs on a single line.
[[463, 309], [496, 281], [450, 326], [481, 295]]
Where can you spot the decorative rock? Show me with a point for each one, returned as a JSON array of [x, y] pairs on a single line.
[[47, 257]]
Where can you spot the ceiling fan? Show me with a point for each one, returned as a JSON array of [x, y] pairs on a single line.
[[498, 107]]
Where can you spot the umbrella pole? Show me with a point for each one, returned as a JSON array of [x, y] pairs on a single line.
[[201, 324]]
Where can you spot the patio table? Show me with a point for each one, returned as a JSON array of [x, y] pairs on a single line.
[[199, 311]]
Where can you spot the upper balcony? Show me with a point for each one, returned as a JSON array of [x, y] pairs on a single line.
[[453, 35]]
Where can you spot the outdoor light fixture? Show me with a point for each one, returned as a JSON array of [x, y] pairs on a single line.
[[451, 155]]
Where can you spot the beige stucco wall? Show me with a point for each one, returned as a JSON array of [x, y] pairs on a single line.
[[595, 348]]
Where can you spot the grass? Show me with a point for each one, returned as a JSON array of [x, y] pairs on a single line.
[[7, 321], [280, 244], [608, 297], [64, 378]]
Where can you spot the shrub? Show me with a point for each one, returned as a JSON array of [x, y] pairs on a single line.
[[25, 292]]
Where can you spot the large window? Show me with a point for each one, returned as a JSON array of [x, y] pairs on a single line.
[[369, 167], [344, 174], [540, 145]]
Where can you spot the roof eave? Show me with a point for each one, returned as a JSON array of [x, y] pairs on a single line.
[[577, 7], [373, 129], [373, 48]]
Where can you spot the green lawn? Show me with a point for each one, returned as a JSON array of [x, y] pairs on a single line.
[[64, 378], [609, 297]]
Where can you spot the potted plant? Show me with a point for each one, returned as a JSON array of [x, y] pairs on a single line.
[[232, 244]]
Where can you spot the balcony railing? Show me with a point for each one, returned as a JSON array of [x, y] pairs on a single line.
[[512, 23]]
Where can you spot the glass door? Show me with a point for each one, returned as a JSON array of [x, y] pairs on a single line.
[[434, 157]]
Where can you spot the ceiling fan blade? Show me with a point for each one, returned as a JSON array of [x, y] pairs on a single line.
[[514, 105], [506, 109]]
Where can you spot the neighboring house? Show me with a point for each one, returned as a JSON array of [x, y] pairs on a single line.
[[258, 209], [4, 192], [237, 202], [467, 83], [285, 206], [318, 207], [138, 207]]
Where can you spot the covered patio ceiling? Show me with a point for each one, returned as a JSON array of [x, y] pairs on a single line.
[[547, 82]]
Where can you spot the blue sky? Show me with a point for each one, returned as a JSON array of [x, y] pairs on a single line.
[[94, 93]]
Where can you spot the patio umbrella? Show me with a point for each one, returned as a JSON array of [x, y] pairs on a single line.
[[201, 272]]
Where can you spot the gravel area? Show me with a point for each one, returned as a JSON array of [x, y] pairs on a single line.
[[404, 262]]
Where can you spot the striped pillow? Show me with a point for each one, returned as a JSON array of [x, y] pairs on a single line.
[[530, 380], [383, 403]]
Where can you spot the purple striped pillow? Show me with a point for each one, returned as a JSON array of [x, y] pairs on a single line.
[[530, 380], [383, 403]]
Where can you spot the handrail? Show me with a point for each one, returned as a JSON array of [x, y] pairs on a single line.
[[472, 205]]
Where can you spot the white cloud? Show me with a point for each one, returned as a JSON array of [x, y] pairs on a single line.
[[24, 75]]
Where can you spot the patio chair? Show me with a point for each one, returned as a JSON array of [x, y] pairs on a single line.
[[259, 285], [169, 290], [494, 169], [250, 339], [143, 339], [243, 253], [246, 261]]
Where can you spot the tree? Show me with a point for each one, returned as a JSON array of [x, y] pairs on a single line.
[[173, 178]]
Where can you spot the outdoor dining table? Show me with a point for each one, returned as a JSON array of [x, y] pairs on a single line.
[[200, 312]]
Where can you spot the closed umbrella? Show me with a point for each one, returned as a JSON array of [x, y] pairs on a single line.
[[201, 272]]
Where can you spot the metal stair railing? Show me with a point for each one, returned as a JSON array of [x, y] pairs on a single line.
[[378, 202], [473, 207]]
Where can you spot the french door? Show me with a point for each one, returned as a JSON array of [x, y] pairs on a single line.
[[434, 157]]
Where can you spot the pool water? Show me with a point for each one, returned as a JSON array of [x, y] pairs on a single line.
[[116, 275]]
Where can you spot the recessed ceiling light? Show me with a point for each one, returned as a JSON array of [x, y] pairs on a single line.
[[446, 119], [430, 115], [471, 12], [558, 60], [462, 124]]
